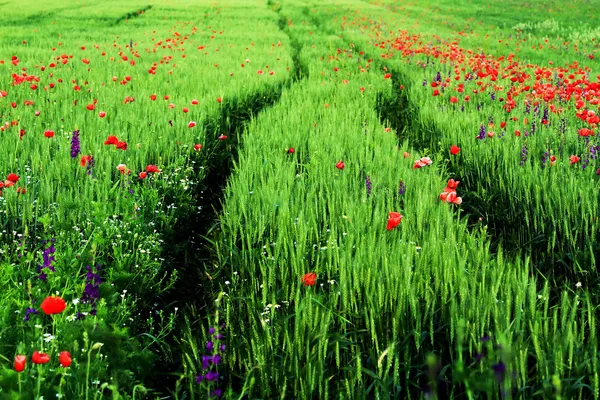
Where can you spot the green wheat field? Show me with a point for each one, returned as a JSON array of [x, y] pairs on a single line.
[[286, 199]]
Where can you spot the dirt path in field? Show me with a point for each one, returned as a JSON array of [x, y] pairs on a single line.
[[192, 250]]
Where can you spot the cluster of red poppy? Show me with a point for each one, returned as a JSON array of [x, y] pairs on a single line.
[[10, 181], [50, 306], [449, 194], [150, 169], [20, 362], [112, 140]]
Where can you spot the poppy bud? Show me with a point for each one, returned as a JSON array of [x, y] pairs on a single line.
[[20, 363], [65, 359]]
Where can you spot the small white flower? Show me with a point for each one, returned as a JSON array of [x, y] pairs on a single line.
[[578, 285]]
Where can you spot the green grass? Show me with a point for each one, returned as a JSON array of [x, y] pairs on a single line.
[[491, 298]]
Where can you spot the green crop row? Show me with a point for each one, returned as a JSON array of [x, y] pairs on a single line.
[[321, 300], [173, 82]]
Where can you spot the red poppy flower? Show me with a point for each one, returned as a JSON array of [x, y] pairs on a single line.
[[123, 169], [53, 305], [222, 137], [340, 165], [502, 124], [49, 134], [90, 107], [454, 150], [406, 154], [143, 175], [122, 145], [574, 159], [552, 160], [152, 169], [451, 186], [191, 124], [291, 150], [309, 279], [453, 99], [111, 140], [102, 114], [422, 162], [65, 359], [195, 102], [37, 113], [85, 160], [152, 97], [453, 198], [393, 220], [584, 132], [21, 190], [20, 362], [185, 109], [14, 178], [40, 358], [197, 147], [218, 100], [387, 76]]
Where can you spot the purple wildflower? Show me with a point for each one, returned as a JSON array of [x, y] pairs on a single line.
[[211, 376], [499, 371], [28, 312], [481, 135], [90, 166], [402, 188], [524, 154], [75, 147], [91, 293], [48, 259], [368, 185]]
